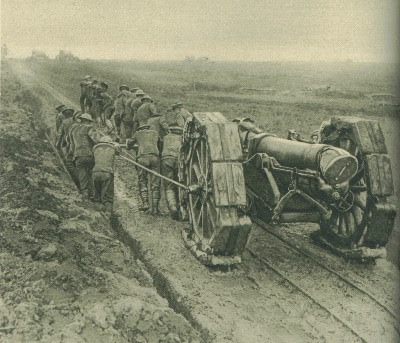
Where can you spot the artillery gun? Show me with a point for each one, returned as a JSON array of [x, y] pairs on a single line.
[[230, 172], [234, 171]]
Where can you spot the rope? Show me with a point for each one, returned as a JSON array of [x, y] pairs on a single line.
[[154, 172]]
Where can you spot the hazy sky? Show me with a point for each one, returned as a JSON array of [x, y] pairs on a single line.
[[362, 30]]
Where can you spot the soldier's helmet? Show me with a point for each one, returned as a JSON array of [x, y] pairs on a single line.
[[87, 77], [143, 127], [68, 112], [146, 97], [177, 105], [122, 87], [104, 85], [77, 114], [139, 92], [106, 139], [134, 90], [59, 108], [86, 116], [176, 129]]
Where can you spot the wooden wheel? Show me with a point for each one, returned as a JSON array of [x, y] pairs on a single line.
[[363, 216], [204, 215], [210, 165]]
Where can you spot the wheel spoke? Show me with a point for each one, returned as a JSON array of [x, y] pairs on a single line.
[[350, 223], [360, 202], [342, 227], [211, 215], [198, 222], [196, 170], [357, 214]]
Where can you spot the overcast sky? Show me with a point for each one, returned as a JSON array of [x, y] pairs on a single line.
[[362, 30]]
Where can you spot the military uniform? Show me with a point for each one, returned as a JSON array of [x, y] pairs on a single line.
[[85, 87], [144, 112], [63, 144], [59, 116], [159, 124], [106, 107], [103, 173], [134, 105], [84, 138], [96, 102], [148, 155], [123, 111], [170, 167], [181, 116]]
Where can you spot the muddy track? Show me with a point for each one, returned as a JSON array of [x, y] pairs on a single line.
[[300, 269], [278, 294], [383, 303]]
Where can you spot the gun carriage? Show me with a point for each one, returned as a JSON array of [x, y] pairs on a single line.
[[232, 171]]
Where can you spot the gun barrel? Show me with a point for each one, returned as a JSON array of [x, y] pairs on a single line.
[[335, 165]]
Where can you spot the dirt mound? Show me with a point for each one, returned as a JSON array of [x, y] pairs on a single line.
[[65, 277]]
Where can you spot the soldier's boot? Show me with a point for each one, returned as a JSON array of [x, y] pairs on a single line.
[[108, 208], [172, 205], [144, 198], [155, 201]]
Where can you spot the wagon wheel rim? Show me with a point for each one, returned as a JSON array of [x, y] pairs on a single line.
[[203, 213]]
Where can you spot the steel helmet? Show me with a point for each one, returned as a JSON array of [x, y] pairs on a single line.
[[143, 127], [176, 129], [86, 116], [68, 111], [77, 114], [87, 77], [106, 139], [59, 108], [123, 87], [104, 84], [146, 97], [178, 104], [134, 89], [139, 92]]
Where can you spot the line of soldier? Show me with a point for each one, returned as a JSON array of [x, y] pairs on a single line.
[[89, 155]]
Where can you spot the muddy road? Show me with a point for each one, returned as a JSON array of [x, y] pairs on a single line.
[[278, 294]]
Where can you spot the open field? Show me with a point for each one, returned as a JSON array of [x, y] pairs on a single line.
[[217, 87], [251, 303]]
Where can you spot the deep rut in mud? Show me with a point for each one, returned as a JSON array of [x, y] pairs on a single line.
[[64, 274]]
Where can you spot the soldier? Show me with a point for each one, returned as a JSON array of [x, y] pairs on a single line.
[[107, 109], [169, 166], [159, 124], [91, 95], [103, 172], [70, 142], [85, 85], [145, 111], [62, 142], [148, 155], [134, 105], [84, 138], [123, 113], [100, 97], [181, 115], [59, 116]]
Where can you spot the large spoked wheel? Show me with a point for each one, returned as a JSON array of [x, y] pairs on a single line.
[[210, 166], [349, 218], [363, 217], [204, 216]]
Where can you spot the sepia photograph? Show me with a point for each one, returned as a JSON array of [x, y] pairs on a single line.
[[199, 171]]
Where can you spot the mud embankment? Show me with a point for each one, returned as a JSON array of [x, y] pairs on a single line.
[[64, 275]]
